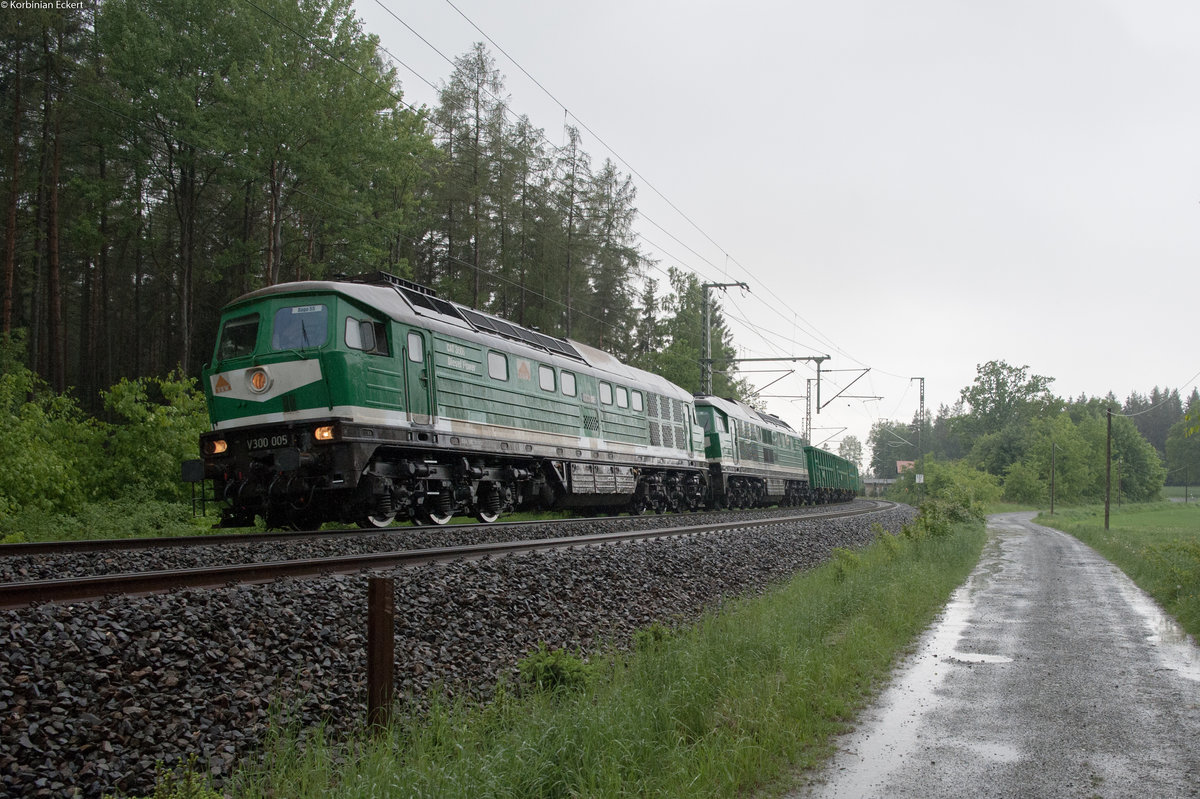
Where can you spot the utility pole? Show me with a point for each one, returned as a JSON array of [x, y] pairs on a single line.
[[808, 410], [1052, 446], [920, 416], [1108, 469], [706, 360]]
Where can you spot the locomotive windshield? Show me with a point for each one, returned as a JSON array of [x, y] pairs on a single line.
[[300, 327], [238, 337]]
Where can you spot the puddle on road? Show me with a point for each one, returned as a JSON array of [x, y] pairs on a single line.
[[975, 657], [1174, 647], [888, 739], [888, 736]]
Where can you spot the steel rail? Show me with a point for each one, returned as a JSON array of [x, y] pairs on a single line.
[[217, 539], [214, 539], [25, 594]]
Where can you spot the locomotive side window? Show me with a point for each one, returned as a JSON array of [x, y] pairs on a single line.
[[637, 401], [568, 384], [238, 337], [546, 377], [366, 335], [622, 397], [416, 348], [353, 334], [300, 327], [497, 366], [606, 397]]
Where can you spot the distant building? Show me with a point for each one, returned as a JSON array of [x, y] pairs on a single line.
[[904, 466]]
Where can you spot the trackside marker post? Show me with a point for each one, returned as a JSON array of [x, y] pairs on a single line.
[[381, 650]]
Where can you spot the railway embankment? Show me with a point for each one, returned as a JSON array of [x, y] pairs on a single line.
[[93, 694]]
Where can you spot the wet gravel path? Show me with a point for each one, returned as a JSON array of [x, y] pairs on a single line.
[[92, 694], [1049, 675]]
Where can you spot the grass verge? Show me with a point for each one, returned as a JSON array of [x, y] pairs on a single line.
[[729, 706], [1157, 545]]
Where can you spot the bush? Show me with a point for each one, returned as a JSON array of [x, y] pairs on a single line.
[[159, 425], [553, 670], [49, 448], [1023, 485], [61, 469], [966, 490], [845, 562]]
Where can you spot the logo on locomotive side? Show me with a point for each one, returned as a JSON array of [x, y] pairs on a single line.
[[222, 385]]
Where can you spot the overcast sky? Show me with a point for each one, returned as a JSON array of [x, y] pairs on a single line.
[[914, 187]]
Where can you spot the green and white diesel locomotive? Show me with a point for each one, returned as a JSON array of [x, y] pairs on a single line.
[[371, 399]]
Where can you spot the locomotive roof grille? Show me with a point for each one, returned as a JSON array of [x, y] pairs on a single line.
[[381, 278], [424, 297], [430, 302], [491, 324]]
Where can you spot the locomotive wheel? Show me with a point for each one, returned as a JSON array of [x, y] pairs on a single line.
[[488, 507], [434, 517], [377, 521]]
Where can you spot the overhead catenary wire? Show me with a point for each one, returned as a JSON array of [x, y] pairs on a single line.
[[634, 171]]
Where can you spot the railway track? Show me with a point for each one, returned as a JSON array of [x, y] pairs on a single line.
[[19, 594]]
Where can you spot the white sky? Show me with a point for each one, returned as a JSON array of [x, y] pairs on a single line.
[[914, 187]]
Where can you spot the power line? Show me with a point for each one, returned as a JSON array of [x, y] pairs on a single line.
[[829, 342]]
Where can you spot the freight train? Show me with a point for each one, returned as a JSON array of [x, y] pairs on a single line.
[[371, 399]]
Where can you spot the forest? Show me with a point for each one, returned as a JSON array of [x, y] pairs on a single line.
[[1009, 425], [164, 157]]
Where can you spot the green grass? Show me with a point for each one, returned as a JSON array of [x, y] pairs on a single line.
[[730, 706], [132, 517], [1156, 544], [1176, 492], [1006, 507]]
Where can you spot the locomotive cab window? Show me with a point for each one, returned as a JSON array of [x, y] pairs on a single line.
[[546, 378], [636, 398], [366, 335], [497, 366], [300, 327], [568, 384], [606, 394], [622, 397], [238, 337]]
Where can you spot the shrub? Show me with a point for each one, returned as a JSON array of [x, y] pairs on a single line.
[[651, 638], [845, 561], [553, 670], [159, 422], [49, 445]]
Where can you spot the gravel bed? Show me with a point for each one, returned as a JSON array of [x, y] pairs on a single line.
[[93, 694], [25, 568]]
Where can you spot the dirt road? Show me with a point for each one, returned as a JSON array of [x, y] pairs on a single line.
[[1049, 675]]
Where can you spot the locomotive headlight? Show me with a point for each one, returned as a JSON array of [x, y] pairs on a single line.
[[215, 446], [258, 380], [324, 433]]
